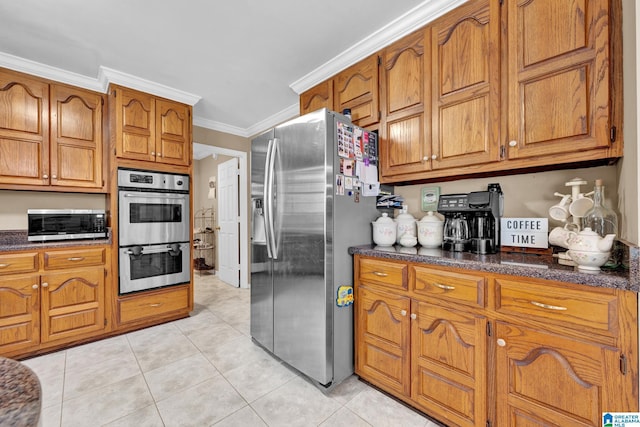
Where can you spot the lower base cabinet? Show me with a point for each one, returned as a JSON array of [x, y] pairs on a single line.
[[153, 305], [474, 349]]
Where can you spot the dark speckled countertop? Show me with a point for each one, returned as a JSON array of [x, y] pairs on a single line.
[[516, 264], [17, 240], [20, 394]]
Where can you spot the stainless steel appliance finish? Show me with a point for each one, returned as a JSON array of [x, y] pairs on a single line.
[[154, 230], [301, 234], [65, 224], [153, 207], [153, 266]]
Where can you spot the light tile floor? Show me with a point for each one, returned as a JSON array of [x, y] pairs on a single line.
[[200, 371]]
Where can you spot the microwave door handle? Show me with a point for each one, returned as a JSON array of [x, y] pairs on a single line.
[[271, 224], [266, 197]]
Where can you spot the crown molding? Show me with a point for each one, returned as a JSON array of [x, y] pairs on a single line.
[[274, 120], [101, 83], [107, 76], [413, 20]]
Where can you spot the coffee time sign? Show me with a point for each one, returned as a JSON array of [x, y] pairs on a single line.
[[524, 232]]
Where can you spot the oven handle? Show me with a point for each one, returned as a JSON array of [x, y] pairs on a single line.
[[164, 196], [152, 251]]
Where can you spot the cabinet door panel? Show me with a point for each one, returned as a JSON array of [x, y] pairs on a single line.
[[449, 363], [173, 130], [24, 130], [558, 77], [382, 334], [357, 88], [405, 141], [134, 124], [466, 86], [76, 137], [19, 312], [72, 303], [552, 379], [319, 96]]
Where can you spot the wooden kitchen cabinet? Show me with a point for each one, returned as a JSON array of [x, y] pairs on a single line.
[[61, 300], [319, 96], [150, 306], [559, 78], [465, 78], [357, 88], [405, 131], [546, 352], [148, 128], [51, 135]]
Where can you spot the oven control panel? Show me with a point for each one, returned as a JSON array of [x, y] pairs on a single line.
[[148, 180]]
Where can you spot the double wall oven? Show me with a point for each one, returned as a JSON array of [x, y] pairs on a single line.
[[154, 230]]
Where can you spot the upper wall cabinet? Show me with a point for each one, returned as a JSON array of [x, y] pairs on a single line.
[[150, 129], [357, 88], [51, 135], [405, 141], [558, 77], [465, 77], [319, 96]]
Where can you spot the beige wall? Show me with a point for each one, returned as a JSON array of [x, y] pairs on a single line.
[[14, 205]]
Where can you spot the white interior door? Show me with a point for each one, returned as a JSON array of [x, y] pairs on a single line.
[[228, 221]]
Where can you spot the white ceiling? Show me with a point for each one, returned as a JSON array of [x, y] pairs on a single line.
[[241, 62]]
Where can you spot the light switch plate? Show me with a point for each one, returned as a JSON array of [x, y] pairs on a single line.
[[429, 198]]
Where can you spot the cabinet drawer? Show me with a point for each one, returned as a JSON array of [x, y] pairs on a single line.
[[386, 273], [74, 258], [457, 287], [156, 305], [595, 310], [18, 263]]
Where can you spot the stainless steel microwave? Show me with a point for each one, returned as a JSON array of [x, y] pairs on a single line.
[[66, 224]]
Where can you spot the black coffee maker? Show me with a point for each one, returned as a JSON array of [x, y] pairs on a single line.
[[472, 220]]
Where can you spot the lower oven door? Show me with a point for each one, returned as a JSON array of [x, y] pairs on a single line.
[[154, 266]]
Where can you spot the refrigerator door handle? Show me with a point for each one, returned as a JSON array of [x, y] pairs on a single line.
[[269, 199], [266, 197]]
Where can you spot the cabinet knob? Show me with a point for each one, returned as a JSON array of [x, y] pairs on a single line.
[[434, 157], [45, 176], [501, 342], [413, 316], [153, 153], [54, 176], [159, 154], [45, 285], [403, 313], [513, 143], [35, 286], [425, 158]]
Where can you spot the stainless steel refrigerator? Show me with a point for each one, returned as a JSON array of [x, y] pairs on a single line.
[[308, 207]]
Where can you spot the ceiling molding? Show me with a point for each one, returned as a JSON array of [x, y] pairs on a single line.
[[108, 75], [413, 20], [27, 66], [274, 120], [101, 83]]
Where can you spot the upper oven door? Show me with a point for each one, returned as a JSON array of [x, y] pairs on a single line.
[[150, 217]]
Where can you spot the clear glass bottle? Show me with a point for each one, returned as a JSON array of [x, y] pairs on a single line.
[[602, 220]]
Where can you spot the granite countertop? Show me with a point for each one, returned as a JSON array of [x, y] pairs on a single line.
[[20, 394], [17, 240], [516, 264]]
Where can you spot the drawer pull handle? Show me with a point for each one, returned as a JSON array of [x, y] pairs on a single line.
[[501, 342], [380, 274], [403, 313], [4, 265], [75, 258], [445, 287], [155, 305], [548, 307]]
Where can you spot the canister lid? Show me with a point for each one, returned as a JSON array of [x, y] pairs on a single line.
[[384, 219], [430, 217]]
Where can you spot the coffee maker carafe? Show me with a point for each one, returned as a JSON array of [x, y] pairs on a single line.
[[480, 212]]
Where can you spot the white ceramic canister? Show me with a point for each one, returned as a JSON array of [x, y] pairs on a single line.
[[384, 231], [430, 231], [406, 224]]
